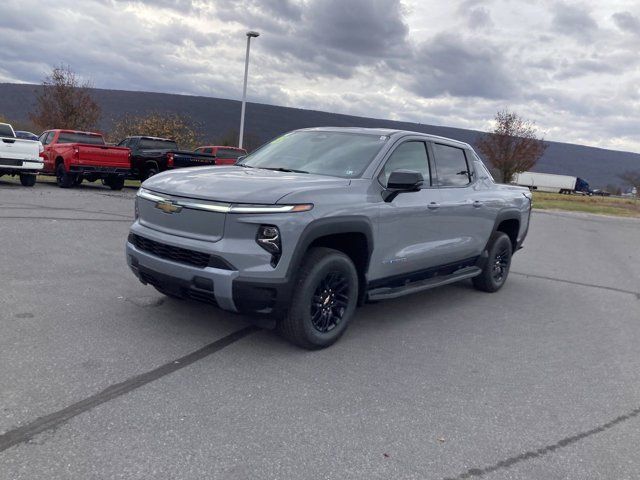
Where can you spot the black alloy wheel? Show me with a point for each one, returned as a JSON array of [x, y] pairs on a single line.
[[330, 302]]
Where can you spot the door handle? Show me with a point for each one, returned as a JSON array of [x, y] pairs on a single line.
[[433, 206], [477, 204]]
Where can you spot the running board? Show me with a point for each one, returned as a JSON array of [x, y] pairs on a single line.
[[385, 293]]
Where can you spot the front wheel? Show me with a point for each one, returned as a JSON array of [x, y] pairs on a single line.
[[27, 179], [495, 272], [324, 299]]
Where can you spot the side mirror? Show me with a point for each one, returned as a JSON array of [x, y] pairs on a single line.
[[240, 158], [401, 181]]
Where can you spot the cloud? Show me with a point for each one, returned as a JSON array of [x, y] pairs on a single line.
[[574, 20], [451, 65], [627, 21], [572, 67]]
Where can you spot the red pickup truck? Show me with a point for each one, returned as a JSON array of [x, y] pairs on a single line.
[[74, 156], [224, 155]]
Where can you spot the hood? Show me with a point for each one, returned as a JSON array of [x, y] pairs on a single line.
[[234, 184]]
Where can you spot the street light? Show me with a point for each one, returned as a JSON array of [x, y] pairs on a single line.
[[250, 34]]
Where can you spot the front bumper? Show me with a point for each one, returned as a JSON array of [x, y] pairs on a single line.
[[212, 285], [221, 287]]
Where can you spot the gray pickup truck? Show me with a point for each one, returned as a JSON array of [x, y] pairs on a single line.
[[321, 220]]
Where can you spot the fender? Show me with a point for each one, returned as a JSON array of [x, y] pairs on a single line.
[[330, 226], [506, 214]]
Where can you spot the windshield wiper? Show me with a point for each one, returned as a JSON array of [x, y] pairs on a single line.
[[282, 169]]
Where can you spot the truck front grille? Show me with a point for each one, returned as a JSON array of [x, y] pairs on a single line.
[[169, 252]]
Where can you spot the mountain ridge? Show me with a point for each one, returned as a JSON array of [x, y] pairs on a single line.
[[216, 116]]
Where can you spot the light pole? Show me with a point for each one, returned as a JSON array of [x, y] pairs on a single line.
[[250, 34]]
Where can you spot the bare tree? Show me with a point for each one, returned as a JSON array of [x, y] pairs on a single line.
[[632, 178], [512, 146], [65, 102], [157, 124]]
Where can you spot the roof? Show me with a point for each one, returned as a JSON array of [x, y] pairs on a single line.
[[222, 146], [66, 130], [147, 137], [389, 132]]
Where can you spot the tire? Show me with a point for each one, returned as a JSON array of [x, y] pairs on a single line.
[[27, 179], [115, 182], [63, 178], [324, 299], [149, 172], [496, 270], [77, 180]]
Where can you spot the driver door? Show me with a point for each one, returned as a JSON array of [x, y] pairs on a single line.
[[410, 233]]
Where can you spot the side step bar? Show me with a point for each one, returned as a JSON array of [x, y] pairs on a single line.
[[385, 293]]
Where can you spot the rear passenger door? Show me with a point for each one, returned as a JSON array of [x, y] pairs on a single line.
[[465, 217]]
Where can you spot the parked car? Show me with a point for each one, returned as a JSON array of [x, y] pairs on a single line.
[[319, 221], [552, 183], [24, 135], [19, 156], [74, 156], [151, 155], [224, 155]]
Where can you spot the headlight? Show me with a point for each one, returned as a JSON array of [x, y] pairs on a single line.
[[268, 237]]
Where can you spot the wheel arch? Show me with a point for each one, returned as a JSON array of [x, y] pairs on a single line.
[[352, 236], [508, 222]]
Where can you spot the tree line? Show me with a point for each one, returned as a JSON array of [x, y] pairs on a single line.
[[65, 101]]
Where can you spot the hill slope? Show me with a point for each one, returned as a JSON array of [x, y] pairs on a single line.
[[217, 116]]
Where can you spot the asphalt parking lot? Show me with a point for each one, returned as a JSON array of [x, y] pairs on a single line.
[[538, 381]]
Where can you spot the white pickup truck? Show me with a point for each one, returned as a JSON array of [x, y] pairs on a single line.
[[19, 157]]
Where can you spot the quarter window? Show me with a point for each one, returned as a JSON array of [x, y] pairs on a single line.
[[408, 156], [452, 167]]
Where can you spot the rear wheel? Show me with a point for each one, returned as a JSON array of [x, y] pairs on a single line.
[[495, 272], [63, 178], [150, 172], [27, 179], [324, 299], [115, 182]]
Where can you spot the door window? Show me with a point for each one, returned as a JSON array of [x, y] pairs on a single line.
[[408, 156], [47, 137], [451, 165]]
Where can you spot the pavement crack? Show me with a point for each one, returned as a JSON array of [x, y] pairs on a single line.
[[581, 284], [565, 442], [55, 419]]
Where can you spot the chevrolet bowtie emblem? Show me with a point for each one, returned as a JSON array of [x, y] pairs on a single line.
[[168, 207]]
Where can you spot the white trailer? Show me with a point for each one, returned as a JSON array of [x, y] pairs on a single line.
[[548, 182]]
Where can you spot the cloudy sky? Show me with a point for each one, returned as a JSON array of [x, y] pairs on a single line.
[[572, 67]]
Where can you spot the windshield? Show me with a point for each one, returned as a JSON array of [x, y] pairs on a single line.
[[337, 154], [78, 137], [157, 144]]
